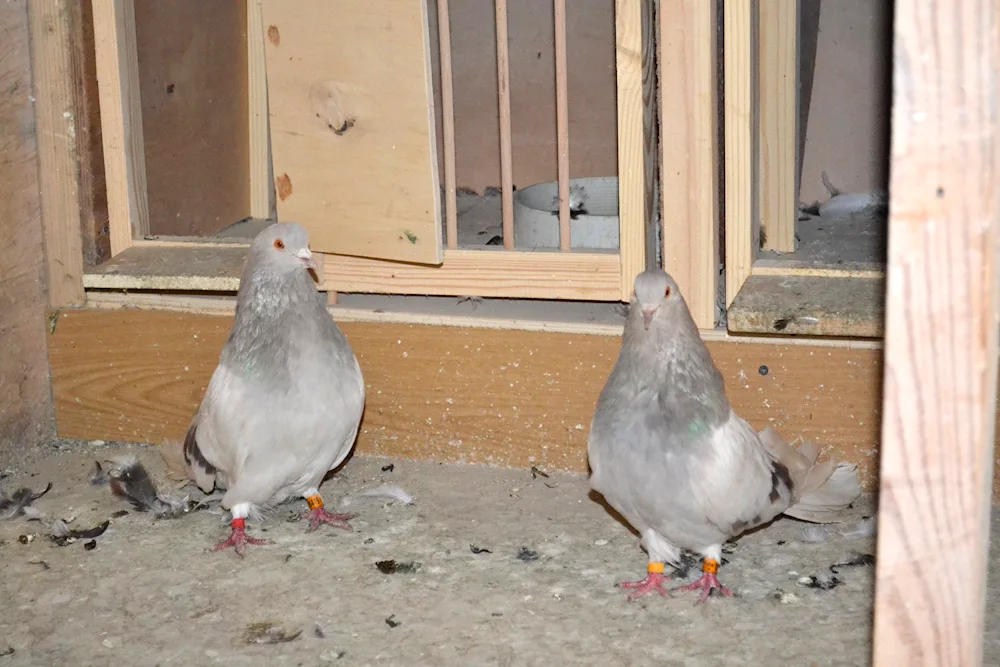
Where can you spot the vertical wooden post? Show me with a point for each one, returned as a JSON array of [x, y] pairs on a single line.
[[635, 52], [562, 123], [448, 124], [778, 132], [688, 111], [261, 183], [941, 335], [506, 157]]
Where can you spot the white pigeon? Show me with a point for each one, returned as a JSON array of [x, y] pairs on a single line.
[[284, 404], [671, 456]]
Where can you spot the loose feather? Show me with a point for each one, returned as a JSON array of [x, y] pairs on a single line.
[[19, 503], [133, 483]]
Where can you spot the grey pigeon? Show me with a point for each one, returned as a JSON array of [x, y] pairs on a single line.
[[668, 452], [284, 404]]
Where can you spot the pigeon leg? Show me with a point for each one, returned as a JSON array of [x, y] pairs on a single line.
[[318, 514], [239, 538], [653, 582], [707, 582]]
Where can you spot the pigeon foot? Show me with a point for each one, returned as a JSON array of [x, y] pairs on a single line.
[[652, 583], [318, 515], [707, 583], [239, 539]]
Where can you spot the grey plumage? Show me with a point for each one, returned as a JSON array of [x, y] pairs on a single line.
[[284, 404], [19, 502], [132, 482], [668, 452]]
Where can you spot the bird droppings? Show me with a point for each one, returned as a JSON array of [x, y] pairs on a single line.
[[90, 546], [388, 468], [318, 631], [859, 560], [392, 567], [823, 582], [392, 622], [526, 555], [477, 550], [268, 632], [410, 236], [535, 473]]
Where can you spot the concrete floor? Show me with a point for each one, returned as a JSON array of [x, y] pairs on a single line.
[[153, 593]]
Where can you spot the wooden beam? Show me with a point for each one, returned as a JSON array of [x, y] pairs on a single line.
[[741, 235], [941, 335], [452, 393], [121, 121], [261, 181], [634, 63], [26, 413], [54, 88], [688, 93], [777, 51]]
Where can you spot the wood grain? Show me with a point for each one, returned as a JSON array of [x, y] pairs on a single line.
[[261, 178], [447, 123], [352, 126], [121, 121], [634, 62], [943, 286], [26, 413], [689, 169], [562, 123], [507, 398], [506, 150], [195, 120], [778, 127], [54, 88], [740, 163]]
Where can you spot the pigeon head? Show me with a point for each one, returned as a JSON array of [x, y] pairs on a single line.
[[284, 246], [655, 293]]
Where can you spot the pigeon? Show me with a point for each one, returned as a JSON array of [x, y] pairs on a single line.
[[668, 452], [283, 406]]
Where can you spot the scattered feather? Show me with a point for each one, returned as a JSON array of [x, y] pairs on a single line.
[[318, 631], [16, 504], [536, 473], [476, 550], [823, 582], [99, 476], [45, 566], [814, 534], [858, 561], [388, 491], [133, 483], [688, 561], [268, 633], [119, 514], [62, 534], [867, 527], [7, 651]]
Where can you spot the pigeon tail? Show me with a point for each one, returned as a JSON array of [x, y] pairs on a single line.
[[187, 457], [821, 492]]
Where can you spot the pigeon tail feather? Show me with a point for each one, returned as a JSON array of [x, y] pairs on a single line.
[[822, 492]]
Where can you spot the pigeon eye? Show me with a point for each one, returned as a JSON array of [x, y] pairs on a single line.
[[279, 244], [666, 292]]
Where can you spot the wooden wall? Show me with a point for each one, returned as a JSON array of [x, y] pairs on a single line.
[[26, 413]]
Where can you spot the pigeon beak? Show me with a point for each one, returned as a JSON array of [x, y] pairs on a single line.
[[307, 258], [647, 317]]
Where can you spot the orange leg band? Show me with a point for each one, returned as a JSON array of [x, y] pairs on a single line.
[[709, 566], [314, 502], [655, 568]]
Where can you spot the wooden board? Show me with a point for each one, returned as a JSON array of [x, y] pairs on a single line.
[[809, 305], [510, 398], [688, 93], [25, 397], [943, 303], [195, 122], [352, 126], [53, 34]]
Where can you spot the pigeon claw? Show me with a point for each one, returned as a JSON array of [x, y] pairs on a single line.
[[706, 585], [239, 541], [320, 516], [652, 583]]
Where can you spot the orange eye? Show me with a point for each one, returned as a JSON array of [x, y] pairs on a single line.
[[279, 244], [666, 292]]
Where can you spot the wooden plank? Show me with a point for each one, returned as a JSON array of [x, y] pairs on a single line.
[[54, 87], [352, 126], [634, 64], [506, 150], [194, 114], [26, 412], [943, 291], [809, 305], [261, 179], [121, 121], [688, 93], [215, 268], [562, 123], [447, 122], [740, 164], [516, 275], [777, 50], [510, 398]]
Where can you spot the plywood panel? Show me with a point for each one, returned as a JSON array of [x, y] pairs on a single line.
[[511, 398], [25, 398], [352, 126], [193, 85]]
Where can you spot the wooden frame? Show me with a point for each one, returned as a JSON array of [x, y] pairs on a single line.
[[564, 275], [943, 295]]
